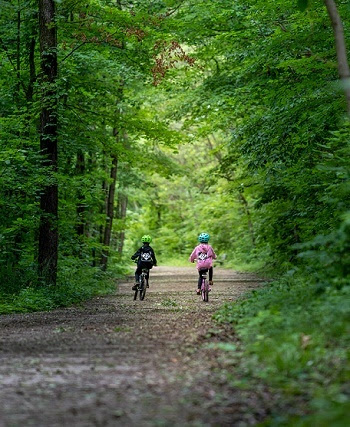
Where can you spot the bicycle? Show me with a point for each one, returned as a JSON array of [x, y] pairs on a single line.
[[142, 285], [205, 286]]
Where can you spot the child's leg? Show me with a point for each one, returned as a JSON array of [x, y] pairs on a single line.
[[147, 278], [210, 274], [137, 278], [137, 274], [200, 272]]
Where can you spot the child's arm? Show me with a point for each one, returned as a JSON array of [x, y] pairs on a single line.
[[212, 253], [136, 254], [154, 258], [193, 255]]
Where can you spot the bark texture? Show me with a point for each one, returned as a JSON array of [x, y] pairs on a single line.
[[81, 203], [122, 207], [109, 210], [48, 232], [340, 45]]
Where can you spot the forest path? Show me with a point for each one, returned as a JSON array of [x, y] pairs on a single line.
[[119, 362]]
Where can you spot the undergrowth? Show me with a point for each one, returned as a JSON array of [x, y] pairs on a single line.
[[75, 284], [297, 341]]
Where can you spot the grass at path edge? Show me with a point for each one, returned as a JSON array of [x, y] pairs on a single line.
[[297, 341], [73, 287]]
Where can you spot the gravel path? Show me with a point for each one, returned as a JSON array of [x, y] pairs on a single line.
[[119, 362]]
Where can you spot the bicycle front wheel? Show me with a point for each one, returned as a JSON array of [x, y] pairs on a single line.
[[143, 293], [142, 288]]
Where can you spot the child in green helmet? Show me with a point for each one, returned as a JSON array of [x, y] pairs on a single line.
[[145, 257]]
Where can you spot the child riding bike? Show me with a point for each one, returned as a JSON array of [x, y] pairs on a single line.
[[145, 257], [204, 254]]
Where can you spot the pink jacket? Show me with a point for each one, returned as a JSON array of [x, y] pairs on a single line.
[[204, 254]]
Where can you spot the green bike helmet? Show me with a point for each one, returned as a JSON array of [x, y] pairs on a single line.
[[146, 238], [204, 237]]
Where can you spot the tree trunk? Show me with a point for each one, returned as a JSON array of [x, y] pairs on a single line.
[[96, 255], [111, 191], [122, 206], [32, 72], [48, 232], [111, 194], [216, 152], [18, 49], [81, 206], [340, 45], [109, 210]]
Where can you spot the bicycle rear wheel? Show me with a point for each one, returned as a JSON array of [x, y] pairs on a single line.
[[205, 290]]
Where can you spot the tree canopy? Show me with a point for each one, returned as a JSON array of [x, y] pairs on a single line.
[[169, 118]]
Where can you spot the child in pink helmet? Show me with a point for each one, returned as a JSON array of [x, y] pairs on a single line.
[[204, 254]]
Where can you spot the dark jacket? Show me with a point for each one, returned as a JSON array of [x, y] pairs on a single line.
[[145, 257]]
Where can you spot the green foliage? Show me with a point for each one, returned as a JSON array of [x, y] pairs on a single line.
[[296, 341], [303, 4], [243, 137], [105, 56], [265, 168], [169, 303], [76, 284]]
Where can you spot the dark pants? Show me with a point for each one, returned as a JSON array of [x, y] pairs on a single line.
[[139, 271], [201, 272]]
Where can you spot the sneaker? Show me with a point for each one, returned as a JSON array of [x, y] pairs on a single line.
[[210, 283], [134, 288], [198, 291], [147, 286]]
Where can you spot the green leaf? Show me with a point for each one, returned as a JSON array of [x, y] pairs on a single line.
[[303, 4]]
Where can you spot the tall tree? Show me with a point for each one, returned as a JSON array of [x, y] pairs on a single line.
[[110, 208], [48, 232], [340, 45]]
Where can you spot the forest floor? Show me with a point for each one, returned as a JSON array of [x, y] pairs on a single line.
[[118, 362]]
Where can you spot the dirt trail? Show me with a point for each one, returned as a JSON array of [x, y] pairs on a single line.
[[119, 362]]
